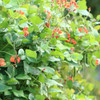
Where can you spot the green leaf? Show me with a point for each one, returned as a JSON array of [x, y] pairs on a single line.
[[53, 59], [31, 97], [4, 24], [82, 5], [46, 32], [6, 1], [40, 97], [73, 26], [69, 83], [25, 6], [52, 41], [47, 69], [31, 53], [61, 46], [32, 9], [66, 54], [25, 40], [90, 86], [36, 20], [7, 93], [11, 13], [8, 40], [44, 46], [12, 4], [41, 78], [18, 93], [30, 69], [12, 81], [21, 1], [77, 56], [57, 54], [84, 12], [4, 87], [43, 89], [22, 21], [52, 90], [51, 82], [23, 77]]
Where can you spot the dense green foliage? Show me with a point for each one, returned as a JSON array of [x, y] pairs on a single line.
[[44, 49]]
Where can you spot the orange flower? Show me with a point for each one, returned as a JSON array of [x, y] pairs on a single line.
[[49, 14], [45, 11], [56, 36], [12, 59], [65, 1], [89, 9], [74, 10], [51, 0], [69, 10], [60, 32], [74, 42], [43, 70], [73, 49], [26, 33], [20, 12], [68, 36], [80, 29], [85, 30], [25, 29], [47, 24], [56, 30], [76, 6], [97, 62], [2, 63], [18, 59], [68, 6], [70, 78]]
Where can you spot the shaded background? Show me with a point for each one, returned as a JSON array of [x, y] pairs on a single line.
[[95, 6]]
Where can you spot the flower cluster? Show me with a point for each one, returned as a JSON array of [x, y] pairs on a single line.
[[2, 62], [72, 3], [25, 30], [70, 40], [20, 12], [70, 78], [64, 3], [56, 30], [83, 30], [12, 59], [47, 25], [48, 14], [73, 49], [48, 17]]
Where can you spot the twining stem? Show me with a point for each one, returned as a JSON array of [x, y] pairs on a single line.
[[4, 46], [74, 71], [6, 53]]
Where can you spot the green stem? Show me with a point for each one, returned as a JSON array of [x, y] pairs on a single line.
[[13, 71], [4, 47], [74, 71], [6, 53]]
